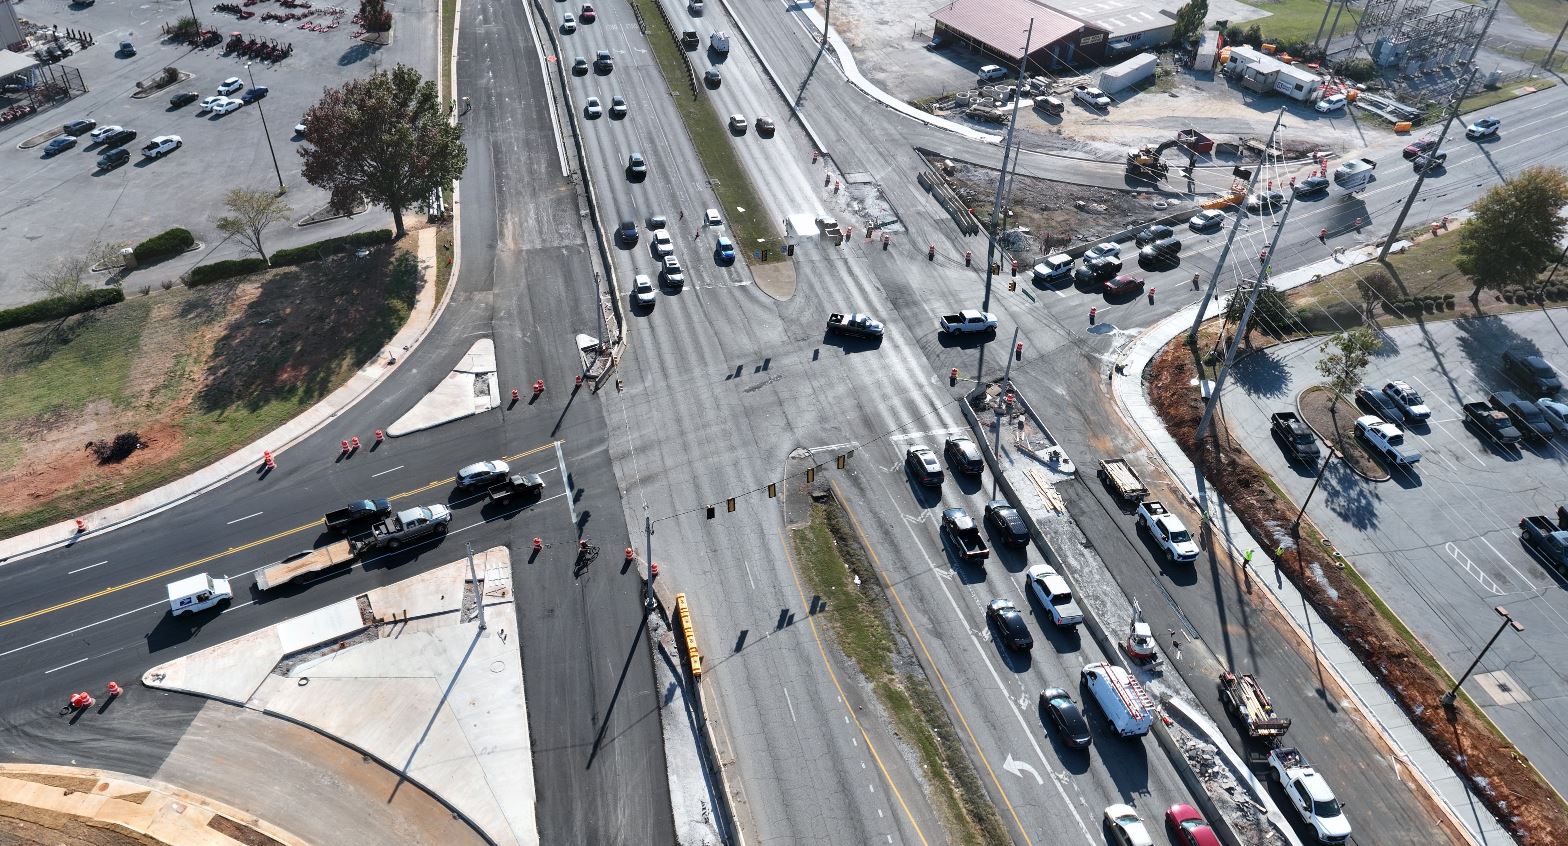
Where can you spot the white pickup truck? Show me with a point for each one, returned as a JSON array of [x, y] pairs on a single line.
[[967, 322], [1309, 794], [1167, 530]]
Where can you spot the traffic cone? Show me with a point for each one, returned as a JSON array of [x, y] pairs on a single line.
[[345, 446], [81, 700], [354, 442], [1092, 312], [81, 525], [380, 435], [538, 544], [630, 553], [115, 689]]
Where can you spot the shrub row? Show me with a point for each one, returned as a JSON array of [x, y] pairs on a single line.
[[206, 274], [322, 249], [168, 243], [1427, 304], [55, 308], [1551, 294]]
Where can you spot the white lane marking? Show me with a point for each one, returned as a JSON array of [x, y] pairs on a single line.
[[1018, 768], [384, 472], [237, 607], [246, 517], [560, 460], [72, 664], [912, 435], [1510, 564], [790, 704], [1475, 572], [163, 602], [83, 569]]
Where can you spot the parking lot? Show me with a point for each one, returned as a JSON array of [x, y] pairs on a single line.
[[1441, 543], [55, 205]]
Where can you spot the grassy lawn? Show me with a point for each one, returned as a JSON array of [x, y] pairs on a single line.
[[1542, 15], [1289, 20], [754, 228], [1485, 99], [1426, 269], [859, 618], [197, 373]]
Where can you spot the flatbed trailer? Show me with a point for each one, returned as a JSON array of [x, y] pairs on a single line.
[[1244, 698], [1122, 479], [310, 561]]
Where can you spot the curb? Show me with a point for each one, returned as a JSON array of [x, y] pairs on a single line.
[[1353, 468], [767, 70]]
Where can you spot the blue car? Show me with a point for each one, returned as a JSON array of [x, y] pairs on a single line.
[[724, 249]]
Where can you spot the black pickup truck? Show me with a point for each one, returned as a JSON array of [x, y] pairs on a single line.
[[1491, 422], [1297, 438], [528, 486], [964, 534], [357, 513]]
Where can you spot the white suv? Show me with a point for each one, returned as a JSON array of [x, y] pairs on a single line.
[[662, 245], [1094, 98]]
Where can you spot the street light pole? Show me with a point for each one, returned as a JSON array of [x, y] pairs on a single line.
[[265, 133], [1508, 622]]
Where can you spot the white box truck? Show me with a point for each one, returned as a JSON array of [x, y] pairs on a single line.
[[1125, 703], [197, 593]]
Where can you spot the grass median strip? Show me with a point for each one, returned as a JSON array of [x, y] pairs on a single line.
[[857, 612], [748, 219]]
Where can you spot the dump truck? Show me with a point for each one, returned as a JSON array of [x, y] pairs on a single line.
[[1550, 541], [359, 511], [308, 561], [1246, 702], [1119, 476]]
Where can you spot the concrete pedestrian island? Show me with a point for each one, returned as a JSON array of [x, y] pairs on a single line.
[[405, 674]]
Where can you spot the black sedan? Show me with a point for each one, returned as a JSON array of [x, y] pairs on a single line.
[[1310, 186], [1008, 524], [1373, 400], [183, 99], [1070, 723], [1010, 625]]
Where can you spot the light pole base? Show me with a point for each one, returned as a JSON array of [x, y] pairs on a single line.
[[1448, 699]]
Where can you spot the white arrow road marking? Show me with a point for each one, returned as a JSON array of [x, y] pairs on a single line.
[[1017, 767]]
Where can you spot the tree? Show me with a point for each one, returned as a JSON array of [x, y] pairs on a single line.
[[1513, 231], [1189, 20], [384, 139], [1345, 359], [250, 215], [62, 277], [1376, 287], [1253, 36], [374, 15], [1272, 312]]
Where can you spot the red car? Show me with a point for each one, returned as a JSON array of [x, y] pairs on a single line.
[[1419, 148], [587, 14], [1188, 827], [1123, 284]]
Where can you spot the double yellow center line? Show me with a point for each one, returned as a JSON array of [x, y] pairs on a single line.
[[231, 550]]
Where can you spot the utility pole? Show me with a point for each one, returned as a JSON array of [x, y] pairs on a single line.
[[1241, 329], [1453, 112], [647, 551], [1508, 622], [1001, 185], [479, 587], [1007, 374], [827, 15], [1214, 280], [1546, 63], [1327, 7], [265, 133], [1335, 25]]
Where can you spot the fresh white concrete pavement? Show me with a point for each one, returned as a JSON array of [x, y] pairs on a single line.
[[423, 675], [471, 388]]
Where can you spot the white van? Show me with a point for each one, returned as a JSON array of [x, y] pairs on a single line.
[[1125, 703], [991, 73], [1053, 268], [196, 593]]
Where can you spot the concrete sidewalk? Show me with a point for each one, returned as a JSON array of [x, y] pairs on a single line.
[[470, 388], [426, 311], [406, 675], [1431, 773], [55, 796]]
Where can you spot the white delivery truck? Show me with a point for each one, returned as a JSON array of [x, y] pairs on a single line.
[[197, 593], [1355, 174], [1125, 703]]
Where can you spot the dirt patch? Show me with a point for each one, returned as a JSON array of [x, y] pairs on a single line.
[[1499, 772], [1057, 214], [1335, 423], [241, 833], [21, 824], [74, 783]]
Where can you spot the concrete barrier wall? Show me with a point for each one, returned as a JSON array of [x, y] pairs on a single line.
[[938, 188]]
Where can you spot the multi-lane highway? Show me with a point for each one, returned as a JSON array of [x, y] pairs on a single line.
[[722, 383]]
